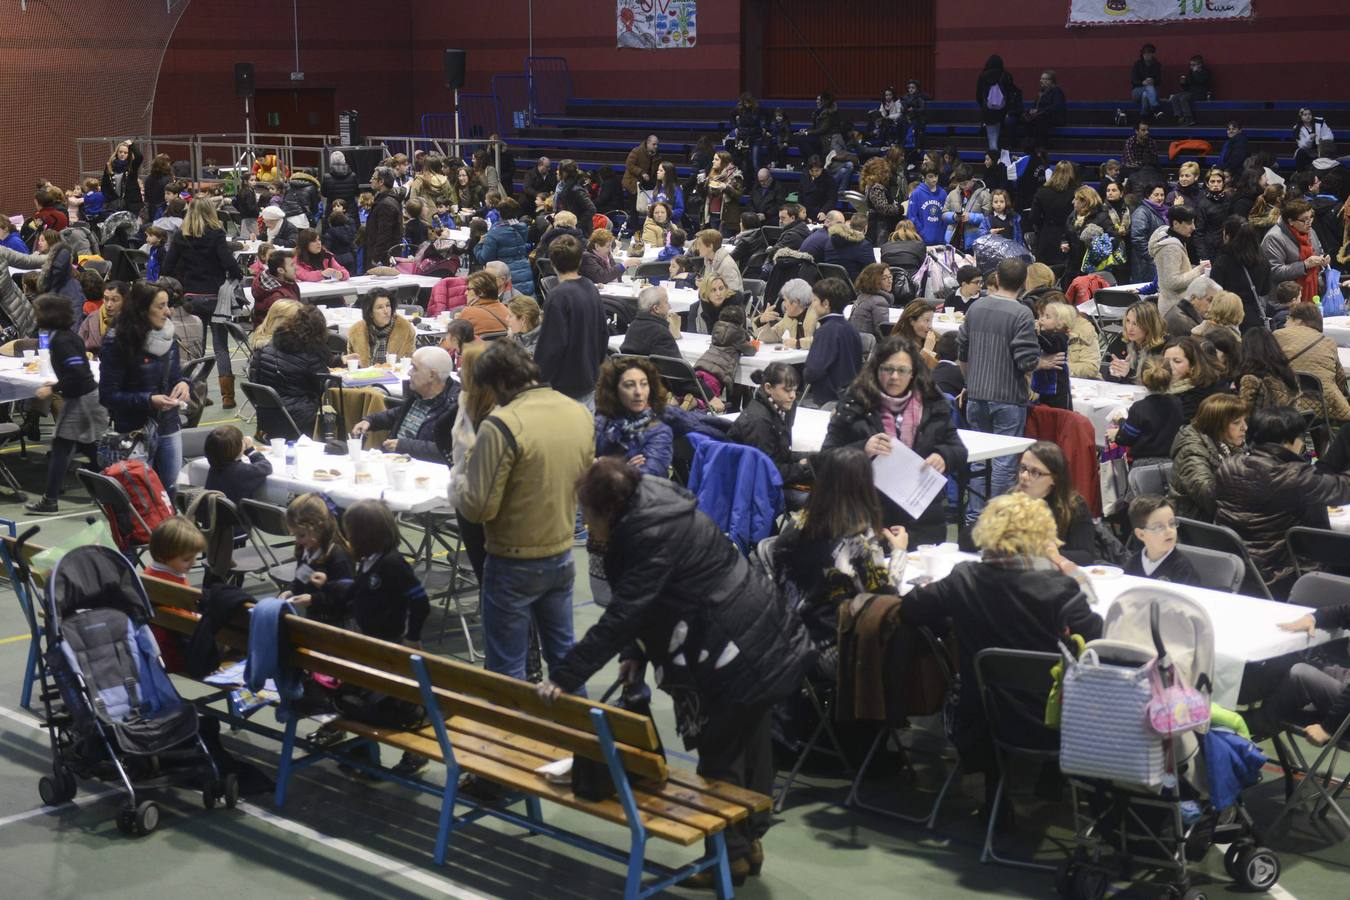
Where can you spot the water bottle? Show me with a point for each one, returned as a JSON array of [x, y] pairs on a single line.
[[291, 467], [44, 340]]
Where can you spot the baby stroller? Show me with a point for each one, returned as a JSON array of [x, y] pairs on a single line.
[[1142, 798], [109, 708]]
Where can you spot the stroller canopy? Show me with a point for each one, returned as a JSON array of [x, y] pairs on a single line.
[[96, 578], [1184, 627]]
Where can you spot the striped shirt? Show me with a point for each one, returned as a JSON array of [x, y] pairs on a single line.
[[998, 343]]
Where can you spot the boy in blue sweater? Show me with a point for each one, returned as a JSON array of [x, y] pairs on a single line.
[[925, 208], [836, 349]]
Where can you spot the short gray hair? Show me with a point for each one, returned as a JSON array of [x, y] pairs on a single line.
[[796, 290], [650, 298], [384, 175], [1203, 286], [435, 360], [499, 270]]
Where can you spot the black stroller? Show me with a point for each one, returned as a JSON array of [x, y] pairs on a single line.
[[110, 710]]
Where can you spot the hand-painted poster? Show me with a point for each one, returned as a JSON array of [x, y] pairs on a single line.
[[1135, 12], [657, 24]]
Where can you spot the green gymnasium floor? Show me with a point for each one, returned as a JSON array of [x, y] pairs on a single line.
[[344, 837]]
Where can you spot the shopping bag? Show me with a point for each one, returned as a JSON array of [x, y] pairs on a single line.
[[1333, 301], [1115, 479], [96, 533]]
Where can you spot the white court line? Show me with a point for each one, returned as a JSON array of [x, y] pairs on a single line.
[[85, 799], [409, 871]]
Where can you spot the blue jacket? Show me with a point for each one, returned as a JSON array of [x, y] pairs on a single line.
[[925, 211], [266, 656], [15, 243], [508, 242], [656, 442], [834, 360], [676, 202], [125, 389], [738, 487], [1233, 763], [985, 225]]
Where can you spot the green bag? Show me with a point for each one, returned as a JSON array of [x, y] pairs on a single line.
[[96, 533]]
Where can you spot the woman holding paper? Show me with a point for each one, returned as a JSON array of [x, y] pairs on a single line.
[[894, 402]]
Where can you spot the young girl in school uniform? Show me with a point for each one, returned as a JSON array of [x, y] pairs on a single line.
[[323, 564]]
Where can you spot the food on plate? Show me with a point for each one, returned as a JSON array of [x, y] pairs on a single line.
[[327, 474], [31, 366], [1335, 510], [422, 481], [1105, 571], [363, 478]]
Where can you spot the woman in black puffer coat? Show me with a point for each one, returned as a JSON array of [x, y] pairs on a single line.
[[872, 414], [294, 364], [720, 641]]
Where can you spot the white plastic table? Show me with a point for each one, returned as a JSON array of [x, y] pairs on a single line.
[[18, 384], [1103, 402], [692, 346], [310, 290], [810, 425], [681, 299], [1338, 329]]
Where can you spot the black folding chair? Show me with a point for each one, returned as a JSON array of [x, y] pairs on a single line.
[[1318, 590], [679, 376], [274, 420], [546, 285], [657, 269], [1014, 685], [1192, 533], [112, 499], [267, 520], [1111, 307], [1328, 549], [220, 515], [544, 266], [1217, 570], [834, 270], [1150, 479]]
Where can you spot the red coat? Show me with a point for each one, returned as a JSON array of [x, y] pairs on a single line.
[[1074, 434], [446, 295], [268, 290]]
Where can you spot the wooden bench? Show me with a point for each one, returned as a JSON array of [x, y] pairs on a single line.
[[496, 727]]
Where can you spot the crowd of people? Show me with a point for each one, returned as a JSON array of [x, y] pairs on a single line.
[[552, 441]]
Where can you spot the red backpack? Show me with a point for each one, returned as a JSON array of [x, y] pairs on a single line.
[[148, 498]]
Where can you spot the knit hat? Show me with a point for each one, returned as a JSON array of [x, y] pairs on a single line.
[[1272, 177], [273, 213], [336, 158]]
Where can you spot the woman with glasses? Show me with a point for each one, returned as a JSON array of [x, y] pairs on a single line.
[[893, 400], [1294, 251], [1043, 474]]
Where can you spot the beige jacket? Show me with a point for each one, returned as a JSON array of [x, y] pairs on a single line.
[[1085, 350], [1314, 353]]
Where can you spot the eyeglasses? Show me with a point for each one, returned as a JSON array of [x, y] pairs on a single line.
[[1160, 527], [891, 371], [1032, 473], [1305, 220]]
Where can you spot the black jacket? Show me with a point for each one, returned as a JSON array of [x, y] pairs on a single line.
[[384, 228], [1211, 212], [577, 200], [761, 426], [1050, 211], [130, 194], [1231, 275], [573, 338], [767, 200], [302, 197], [1175, 568], [332, 602], [1327, 618], [818, 195], [791, 238], [340, 240], [387, 600], [341, 183], [555, 232], [125, 386], [202, 263], [1264, 494], [245, 202], [241, 479], [424, 445], [536, 184], [988, 605], [1142, 70], [907, 255], [1012, 96], [649, 335], [1151, 426], [852, 424], [298, 374], [154, 195], [70, 365], [668, 564]]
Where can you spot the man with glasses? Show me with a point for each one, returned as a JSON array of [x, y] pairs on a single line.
[[1294, 252], [996, 347], [1155, 526]]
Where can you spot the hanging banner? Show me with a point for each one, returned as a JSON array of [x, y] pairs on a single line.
[[1155, 12], [657, 24]]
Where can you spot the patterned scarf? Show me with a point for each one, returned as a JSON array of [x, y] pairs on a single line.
[[631, 429], [379, 339], [900, 416]]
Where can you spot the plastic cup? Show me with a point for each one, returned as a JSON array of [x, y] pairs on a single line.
[[928, 560], [354, 449], [391, 359], [353, 364], [398, 477], [30, 354], [278, 447]]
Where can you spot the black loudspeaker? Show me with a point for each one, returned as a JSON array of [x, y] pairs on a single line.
[[243, 79], [454, 69]]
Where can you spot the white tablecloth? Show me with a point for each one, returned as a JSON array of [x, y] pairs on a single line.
[[353, 286], [942, 322], [1103, 402], [344, 490], [17, 384], [1338, 329], [681, 299], [692, 346]]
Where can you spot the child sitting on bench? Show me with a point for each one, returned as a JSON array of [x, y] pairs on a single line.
[[175, 545]]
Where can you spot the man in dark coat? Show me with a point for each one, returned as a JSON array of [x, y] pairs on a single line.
[[767, 196], [539, 180], [384, 225], [432, 402]]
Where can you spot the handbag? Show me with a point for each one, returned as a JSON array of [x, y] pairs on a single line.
[[1175, 708], [1104, 732], [644, 201], [1115, 479], [119, 446], [1333, 301]]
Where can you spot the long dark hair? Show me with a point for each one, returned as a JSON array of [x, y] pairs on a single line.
[[1262, 356], [1242, 242], [843, 499], [302, 241], [866, 387], [1062, 499], [133, 322], [368, 306]]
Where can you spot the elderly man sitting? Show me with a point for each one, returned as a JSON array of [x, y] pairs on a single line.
[[1190, 310], [502, 272], [654, 328], [429, 409]]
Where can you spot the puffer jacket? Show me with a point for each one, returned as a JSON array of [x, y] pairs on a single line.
[[507, 242], [1311, 353], [709, 623], [574, 198], [977, 205], [299, 375], [1144, 222], [1085, 350], [1195, 460], [58, 277], [848, 248], [125, 386], [1211, 209], [871, 315], [430, 187], [340, 240], [907, 255], [341, 183], [268, 289], [655, 442], [762, 426], [1280, 248], [1173, 265], [852, 424], [302, 197], [1264, 494], [558, 231], [729, 343], [1049, 211], [447, 295], [13, 303]]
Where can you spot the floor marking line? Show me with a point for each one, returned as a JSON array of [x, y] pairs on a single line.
[[84, 800], [22, 718], [409, 871], [15, 639]]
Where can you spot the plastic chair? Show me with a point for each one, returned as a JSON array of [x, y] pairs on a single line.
[[1150, 479], [273, 418], [547, 284], [1111, 307], [1013, 687], [656, 269], [1219, 537], [1327, 548], [1216, 569], [544, 266]]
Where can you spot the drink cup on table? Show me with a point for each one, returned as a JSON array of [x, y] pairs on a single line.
[[391, 359], [278, 447]]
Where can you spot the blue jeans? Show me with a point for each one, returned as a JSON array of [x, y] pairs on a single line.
[[169, 460], [996, 418], [516, 591], [1147, 98], [842, 176], [214, 333]]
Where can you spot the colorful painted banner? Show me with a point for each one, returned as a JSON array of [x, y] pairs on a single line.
[[657, 24], [1156, 12]]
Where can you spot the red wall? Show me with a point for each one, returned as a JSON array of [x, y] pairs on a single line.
[[1290, 51]]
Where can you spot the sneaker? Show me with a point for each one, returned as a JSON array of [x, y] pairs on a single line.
[[410, 765], [482, 791], [326, 735], [580, 538], [41, 507]]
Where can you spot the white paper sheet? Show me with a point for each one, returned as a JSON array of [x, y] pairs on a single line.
[[905, 478]]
